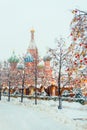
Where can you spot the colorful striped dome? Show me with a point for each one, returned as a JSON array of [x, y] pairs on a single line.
[[13, 58], [28, 58], [20, 66], [47, 58]]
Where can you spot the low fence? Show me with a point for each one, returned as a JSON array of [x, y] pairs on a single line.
[[82, 100]]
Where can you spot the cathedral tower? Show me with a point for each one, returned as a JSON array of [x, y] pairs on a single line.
[[32, 49]]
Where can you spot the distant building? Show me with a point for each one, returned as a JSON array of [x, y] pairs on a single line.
[[35, 67]]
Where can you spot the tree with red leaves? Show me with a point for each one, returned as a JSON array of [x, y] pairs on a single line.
[[79, 42]]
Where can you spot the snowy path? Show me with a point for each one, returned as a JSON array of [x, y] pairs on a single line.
[[15, 117]]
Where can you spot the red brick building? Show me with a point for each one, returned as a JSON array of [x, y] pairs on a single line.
[[37, 68]]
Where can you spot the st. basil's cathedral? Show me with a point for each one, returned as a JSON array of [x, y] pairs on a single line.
[[35, 69]]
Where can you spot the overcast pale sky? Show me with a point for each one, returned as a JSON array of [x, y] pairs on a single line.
[[49, 18]]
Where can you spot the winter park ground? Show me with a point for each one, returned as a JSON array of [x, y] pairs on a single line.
[[15, 115]]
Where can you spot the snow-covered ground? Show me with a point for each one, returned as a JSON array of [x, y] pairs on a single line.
[[15, 115]]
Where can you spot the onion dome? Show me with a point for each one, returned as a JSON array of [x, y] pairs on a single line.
[[28, 58], [13, 58], [20, 66], [41, 64], [32, 30], [47, 58]]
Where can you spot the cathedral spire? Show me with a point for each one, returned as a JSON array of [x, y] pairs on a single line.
[[32, 34], [32, 44]]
